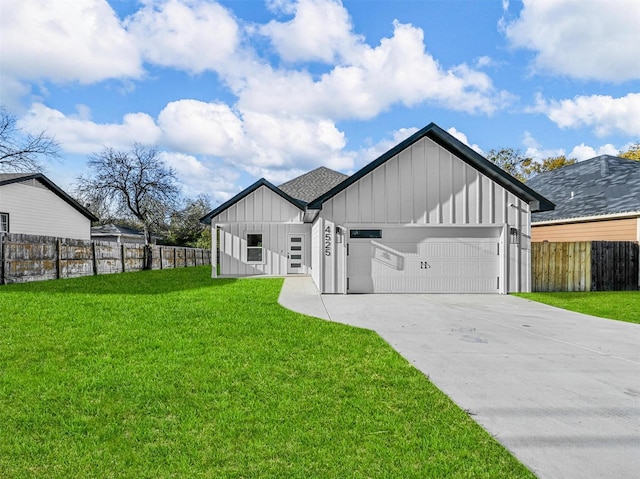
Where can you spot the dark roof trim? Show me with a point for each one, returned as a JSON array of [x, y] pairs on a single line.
[[54, 188], [246, 192], [466, 154]]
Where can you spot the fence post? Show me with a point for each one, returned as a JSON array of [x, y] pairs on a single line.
[[160, 253], [122, 257], [95, 260], [58, 258], [3, 258]]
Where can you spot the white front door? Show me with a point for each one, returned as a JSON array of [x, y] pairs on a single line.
[[295, 253]]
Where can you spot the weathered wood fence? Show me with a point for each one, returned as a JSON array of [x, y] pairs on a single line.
[[585, 266], [26, 258]]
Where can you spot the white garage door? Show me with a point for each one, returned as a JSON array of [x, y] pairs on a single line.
[[424, 260]]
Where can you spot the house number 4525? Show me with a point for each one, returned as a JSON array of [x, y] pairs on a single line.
[[327, 241]]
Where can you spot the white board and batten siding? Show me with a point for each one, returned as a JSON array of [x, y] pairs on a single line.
[[36, 210], [278, 221], [426, 185]]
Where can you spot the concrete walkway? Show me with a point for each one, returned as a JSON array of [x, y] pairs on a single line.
[[560, 390]]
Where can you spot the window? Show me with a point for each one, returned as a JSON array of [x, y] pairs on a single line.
[[254, 248], [4, 222], [365, 234]]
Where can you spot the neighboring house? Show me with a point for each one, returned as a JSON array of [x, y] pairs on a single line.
[[596, 199], [119, 234], [430, 215], [30, 203]]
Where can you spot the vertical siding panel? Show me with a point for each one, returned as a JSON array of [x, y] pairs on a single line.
[[251, 202], [240, 210], [379, 195], [393, 197], [471, 205], [432, 157], [365, 199], [339, 207], [445, 186], [405, 185], [419, 183], [267, 207], [352, 205], [458, 186]]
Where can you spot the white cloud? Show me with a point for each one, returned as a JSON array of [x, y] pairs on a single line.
[[463, 138], [71, 41], [602, 113], [199, 177], [192, 126], [191, 35], [398, 71], [320, 31], [583, 152], [588, 40], [77, 134], [368, 154], [289, 140], [534, 149]]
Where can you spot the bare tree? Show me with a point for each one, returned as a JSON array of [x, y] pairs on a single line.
[[21, 151], [133, 184]]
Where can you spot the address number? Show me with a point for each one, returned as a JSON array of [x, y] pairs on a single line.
[[327, 241]]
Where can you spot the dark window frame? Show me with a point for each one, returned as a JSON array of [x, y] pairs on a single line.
[[5, 222], [253, 246], [365, 233]]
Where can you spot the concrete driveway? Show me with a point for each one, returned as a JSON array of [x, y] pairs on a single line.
[[560, 390]]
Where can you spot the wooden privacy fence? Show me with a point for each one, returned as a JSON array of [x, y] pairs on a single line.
[[26, 258], [585, 266]]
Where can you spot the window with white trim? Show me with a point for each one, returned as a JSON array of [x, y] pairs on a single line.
[[4, 222], [255, 251]]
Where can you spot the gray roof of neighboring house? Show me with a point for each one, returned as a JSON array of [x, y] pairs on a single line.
[[115, 230], [9, 178], [313, 184], [598, 186]]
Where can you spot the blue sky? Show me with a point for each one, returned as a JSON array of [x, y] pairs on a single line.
[[231, 91]]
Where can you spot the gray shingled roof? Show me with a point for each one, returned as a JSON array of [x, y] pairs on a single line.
[[313, 184], [13, 176], [598, 186], [115, 230]]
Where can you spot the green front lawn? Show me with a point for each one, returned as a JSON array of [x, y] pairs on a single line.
[[620, 305], [169, 374]]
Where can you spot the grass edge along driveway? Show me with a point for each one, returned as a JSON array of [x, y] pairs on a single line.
[[618, 305], [170, 374]]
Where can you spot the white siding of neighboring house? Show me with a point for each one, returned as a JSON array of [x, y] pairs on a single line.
[[35, 209], [262, 211], [427, 185]]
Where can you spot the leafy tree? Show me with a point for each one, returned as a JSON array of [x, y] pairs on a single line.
[[134, 185], [522, 167], [633, 153], [551, 163], [512, 161], [21, 151], [185, 228]]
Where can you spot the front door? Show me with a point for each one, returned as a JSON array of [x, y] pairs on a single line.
[[295, 254]]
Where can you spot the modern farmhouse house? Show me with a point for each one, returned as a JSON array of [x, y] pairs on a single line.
[[30, 203], [430, 215]]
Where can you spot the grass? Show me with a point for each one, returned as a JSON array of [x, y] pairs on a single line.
[[169, 374], [618, 305]]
